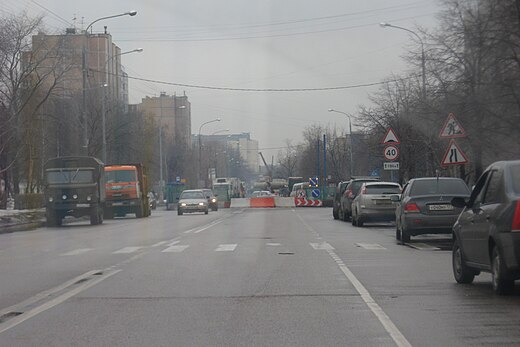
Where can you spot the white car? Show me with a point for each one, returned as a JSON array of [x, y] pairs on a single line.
[[192, 201], [261, 194]]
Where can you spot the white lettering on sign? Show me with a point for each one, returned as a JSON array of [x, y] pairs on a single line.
[[391, 166]]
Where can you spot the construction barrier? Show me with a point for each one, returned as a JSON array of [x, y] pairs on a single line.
[[302, 202], [262, 202], [240, 202], [284, 202]]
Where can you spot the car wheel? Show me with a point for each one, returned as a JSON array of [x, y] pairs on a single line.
[[397, 232], [405, 236], [346, 216], [179, 212], [206, 212], [501, 285], [461, 272], [354, 220], [335, 213], [360, 222]]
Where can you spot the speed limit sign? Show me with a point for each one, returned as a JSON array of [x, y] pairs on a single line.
[[391, 152]]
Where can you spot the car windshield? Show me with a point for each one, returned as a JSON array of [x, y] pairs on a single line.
[[192, 195], [439, 186], [116, 176], [515, 178], [382, 189], [69, 176], [356, 186]]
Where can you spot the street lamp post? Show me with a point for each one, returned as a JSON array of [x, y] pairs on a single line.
[[350, 133], [84, 66], [423, 59], [103, 110], [200, 148]]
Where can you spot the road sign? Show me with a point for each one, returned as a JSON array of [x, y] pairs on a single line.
[[391, 166], [390, 138], [452, 128], [454, 155], [391, 152], [313, 181], [316, 193], [177, 179], [300, 202]]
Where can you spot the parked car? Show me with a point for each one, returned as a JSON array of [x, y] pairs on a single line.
[[487, 232], [352, 190], [192, 201], [212, 199], [373, 203], [336, 203], [425, 206]]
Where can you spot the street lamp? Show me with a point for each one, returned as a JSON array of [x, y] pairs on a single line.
[[350, 133], [200, 147], [423, 60], [84, 65], [103, 111]]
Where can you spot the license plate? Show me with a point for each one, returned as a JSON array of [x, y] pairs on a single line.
[[444, 207], [83, 205], [382, 202]]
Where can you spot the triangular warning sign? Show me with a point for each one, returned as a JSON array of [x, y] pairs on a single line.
[[390, 138], [454, 155], [452, 128]]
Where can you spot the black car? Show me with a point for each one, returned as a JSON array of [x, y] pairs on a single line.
[[336, 203], [487, 232], [212, 199], [350, 193], [425, 206]]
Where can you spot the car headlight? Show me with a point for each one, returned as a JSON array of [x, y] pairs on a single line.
[[213, 200], [64, 197], [183, 204], [75, 196], [89, 198], [201, 204], [51, 199]]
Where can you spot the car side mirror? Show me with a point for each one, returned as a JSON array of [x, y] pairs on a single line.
[[177, 198], [459, 202], [395, 198]]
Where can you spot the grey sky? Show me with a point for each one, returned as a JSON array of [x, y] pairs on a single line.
[[210, 43]]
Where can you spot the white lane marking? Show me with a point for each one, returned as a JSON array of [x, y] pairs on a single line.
[[396, 335], [56, 301], [159, 243], [173, 243], [204, 227], [77, 251], [370, 245], [322, 245], [273, 244], [175, 248], [422, 246], [226, 247], [127, 250]]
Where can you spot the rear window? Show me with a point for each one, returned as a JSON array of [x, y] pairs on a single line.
[[442, 186], [515, 178], [382, 189], [356, 186]]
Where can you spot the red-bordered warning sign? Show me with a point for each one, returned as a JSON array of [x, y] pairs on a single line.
[[391, 152], [454, 155], [452, 128], [390, 138]]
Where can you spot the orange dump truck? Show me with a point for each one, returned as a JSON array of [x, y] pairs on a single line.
[[126, 191]]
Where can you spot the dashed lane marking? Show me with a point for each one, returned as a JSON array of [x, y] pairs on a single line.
[[370, 245], [175, 249], [321, 246], [273, 244], [127, 250], [159, 243], [199, 229], [422, 246], [77, 252], [229, 247]]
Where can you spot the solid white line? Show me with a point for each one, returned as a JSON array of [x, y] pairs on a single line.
[[207, 227], [387, 323], [127, 250], [175, 249], [77, 251], [229, 247], [56, 301]]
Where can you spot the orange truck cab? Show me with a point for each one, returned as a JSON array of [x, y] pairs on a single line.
[[126, 191]]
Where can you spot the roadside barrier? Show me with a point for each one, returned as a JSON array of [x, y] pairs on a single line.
[[284, 202], [240, 202], [262, 202]]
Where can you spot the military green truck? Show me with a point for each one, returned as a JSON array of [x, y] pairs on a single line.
[[74, 186]]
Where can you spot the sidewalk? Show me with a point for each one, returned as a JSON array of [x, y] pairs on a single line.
[[20, 220]]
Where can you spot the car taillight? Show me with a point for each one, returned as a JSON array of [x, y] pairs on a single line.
[[363, 190], [411, 208], [349, 194], [515, 226]]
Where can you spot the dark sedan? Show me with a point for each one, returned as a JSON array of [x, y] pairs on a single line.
[[487, 232], [425, 206]]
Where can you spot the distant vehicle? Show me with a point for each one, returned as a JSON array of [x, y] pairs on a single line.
[[299, 190], [336, 204], [74, 186], [212, 199], [425, 206], [173, 193], [261, 194], [292, 180], [352, 190], [487, 232], [373, 203], [127, 191], [152, 201], [192, 201]]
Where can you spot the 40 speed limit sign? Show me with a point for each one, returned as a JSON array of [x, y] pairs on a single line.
[[391, 152]]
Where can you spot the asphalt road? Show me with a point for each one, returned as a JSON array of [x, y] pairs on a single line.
[[241, 277]]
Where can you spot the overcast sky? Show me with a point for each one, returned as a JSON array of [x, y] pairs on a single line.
[[267, 44]]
